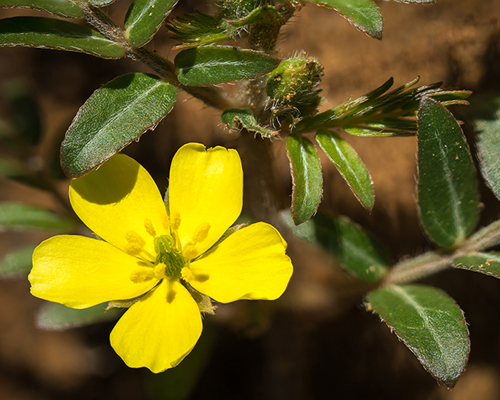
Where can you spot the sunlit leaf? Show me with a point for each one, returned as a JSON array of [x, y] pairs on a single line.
[[429, 323], [350, 166], [485, 263], [307, 177], [62, 8], [115, 115], [17, 263], [448, 197], [55, 317], [219, 64], [233, 118], [56, 34], [144, 18], [487, 127], [19, 216], [363, 14]]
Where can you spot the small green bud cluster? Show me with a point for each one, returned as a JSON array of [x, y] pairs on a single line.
[[292, 88]]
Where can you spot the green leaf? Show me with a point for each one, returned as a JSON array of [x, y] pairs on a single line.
[[307, 178], [115, 115], [197, 29], [144, 18], [22, 216], [350, 166], [100, 3], [363, 14], [378, 113], [429, 323], [62, 8], [487, 127], [54, 316], [448, 197], [485, 263], [353, 247], [219, 64], [244, 117], [56, 34], [17, 263]]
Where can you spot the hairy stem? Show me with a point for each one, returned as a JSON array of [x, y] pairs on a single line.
[[435, 261], [99, 20]]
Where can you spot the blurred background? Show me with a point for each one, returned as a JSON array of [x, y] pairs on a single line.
[[314, 342]]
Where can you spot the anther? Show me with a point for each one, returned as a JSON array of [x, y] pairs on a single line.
[[159, 271], [201, 232], [175, 221], [189, 251], [150, 229], [135, 243], [139, 275]]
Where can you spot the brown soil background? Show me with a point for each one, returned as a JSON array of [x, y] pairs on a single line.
[[309, 344]]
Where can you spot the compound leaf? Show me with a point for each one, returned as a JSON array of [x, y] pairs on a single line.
[[115, 115], [51, 33], [62, 8], [363, 14], [144, 18], [245, 117], [350, 166], [448, 197], [219, 64], [429, 323], [307, 177], [487, 127], [485, 263]]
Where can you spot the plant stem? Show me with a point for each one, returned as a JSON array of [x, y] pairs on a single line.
[[99, 20], [435, 261]]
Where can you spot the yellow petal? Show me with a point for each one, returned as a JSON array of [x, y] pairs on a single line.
[[80, 272], [121, 203], [249, 264], [206, 189], [160, 330]]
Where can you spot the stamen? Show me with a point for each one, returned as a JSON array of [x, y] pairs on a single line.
[[186, 274], [159, 271], [133, 249], [201, 232], [139, 275], [175, 221], [135, 243], [189, 251], [150, 229], [134, 238], [165, 222]]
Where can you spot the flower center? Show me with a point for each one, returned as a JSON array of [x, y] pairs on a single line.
[[169, 256], [172, 258]]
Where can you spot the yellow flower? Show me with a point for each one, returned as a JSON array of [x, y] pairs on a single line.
[[146, 255]]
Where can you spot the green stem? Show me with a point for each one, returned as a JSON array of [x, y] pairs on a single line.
[[99, 20], [435, 261]]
